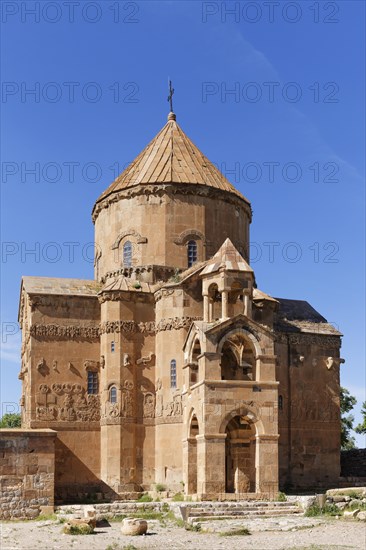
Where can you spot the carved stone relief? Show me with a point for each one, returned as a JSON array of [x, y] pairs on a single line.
[[66, 403], [70, 332], [127, 233], [322, 341], [314, 407], [123, 408], [174, 407], [108, 327], [159, 409], [149, 405], [190, 234], [176, 323], [126, 360], [145, 360], [91, 365], [64, 331]]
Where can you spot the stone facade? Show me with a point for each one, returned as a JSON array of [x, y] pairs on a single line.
[[171, 366], [27, 473], [353, 463]]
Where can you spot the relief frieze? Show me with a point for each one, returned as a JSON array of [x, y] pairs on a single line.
[[62, 332], [66, 403], [322, 341], [75, 332]]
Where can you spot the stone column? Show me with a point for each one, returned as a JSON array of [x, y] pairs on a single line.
[[210, 310], [245, 302], [266, 461], [210, 465], [206, 306], [224, 304]]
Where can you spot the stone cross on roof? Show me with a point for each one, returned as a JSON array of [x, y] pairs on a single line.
[[170, 96]]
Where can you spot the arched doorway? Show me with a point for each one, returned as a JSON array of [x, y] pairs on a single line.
[[192, 457], [240, 456]]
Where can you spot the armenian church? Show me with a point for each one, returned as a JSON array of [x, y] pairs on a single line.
[[172, 366]]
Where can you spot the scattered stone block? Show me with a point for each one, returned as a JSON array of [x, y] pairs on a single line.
[[338, 498], [84, 525], [47, 510], [351, 513], [134, 526], [361, 516]]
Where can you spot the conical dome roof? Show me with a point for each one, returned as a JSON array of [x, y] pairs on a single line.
[[226, 257], [171, 157]]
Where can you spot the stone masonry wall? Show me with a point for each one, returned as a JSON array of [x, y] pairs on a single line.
[[27, 468], [353, 463]]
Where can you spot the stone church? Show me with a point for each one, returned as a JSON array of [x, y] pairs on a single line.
[[171, 366]]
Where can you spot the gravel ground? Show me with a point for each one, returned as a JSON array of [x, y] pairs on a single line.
[[271, 533]]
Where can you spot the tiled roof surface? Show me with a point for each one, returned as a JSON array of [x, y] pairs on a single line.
[[260, 295], [171, 157], [226, 257], [123, 283], [61, 286], [300, 316]]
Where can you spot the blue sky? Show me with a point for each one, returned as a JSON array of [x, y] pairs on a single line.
[[272, 93]]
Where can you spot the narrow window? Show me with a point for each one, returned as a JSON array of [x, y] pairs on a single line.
[[191, 252], [127, 254], [112, 347], [173, 373], [92, 382], [280, 402], [113, 394]]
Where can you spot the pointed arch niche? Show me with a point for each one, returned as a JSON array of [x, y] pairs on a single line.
[[238, 357]]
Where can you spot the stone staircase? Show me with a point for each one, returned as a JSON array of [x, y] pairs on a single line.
[[207, 511]]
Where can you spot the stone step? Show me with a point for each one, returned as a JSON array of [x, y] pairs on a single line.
[[210, 517], [242, 509], [251, 506], [259, 512]]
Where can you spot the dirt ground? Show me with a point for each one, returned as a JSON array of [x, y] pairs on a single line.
[[277, 534]]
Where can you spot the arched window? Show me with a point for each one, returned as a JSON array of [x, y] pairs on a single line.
[[127, 254], [191, 252], [113, 394], [280, 402], [173, 373]]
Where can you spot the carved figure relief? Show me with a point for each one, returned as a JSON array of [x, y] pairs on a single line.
[[125, 406], [149, 405], [174, 407], [127, 399], [159, 409], [314, 407], [126, 360], [66, 403], [145, 360], [41, 365]]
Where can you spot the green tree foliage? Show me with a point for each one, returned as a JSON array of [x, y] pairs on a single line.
[[347, 404], [361, 428], [10, 420]]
